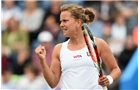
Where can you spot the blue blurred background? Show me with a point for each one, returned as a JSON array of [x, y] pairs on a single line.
[[26, 24]]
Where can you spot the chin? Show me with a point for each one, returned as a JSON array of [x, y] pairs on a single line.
[[65, 35]]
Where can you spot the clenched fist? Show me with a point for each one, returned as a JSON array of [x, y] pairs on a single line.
[[41, 52]]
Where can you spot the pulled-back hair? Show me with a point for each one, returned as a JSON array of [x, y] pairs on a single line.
[[78, 12]]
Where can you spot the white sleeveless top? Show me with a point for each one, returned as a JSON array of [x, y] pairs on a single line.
[[78, 70]]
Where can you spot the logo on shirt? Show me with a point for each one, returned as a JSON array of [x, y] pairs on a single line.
[[77, 56], [88, 54]]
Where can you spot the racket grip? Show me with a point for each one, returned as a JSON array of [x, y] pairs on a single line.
[[101, 73], [105, 88]]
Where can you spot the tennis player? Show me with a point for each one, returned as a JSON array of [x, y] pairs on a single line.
[[71, 60]]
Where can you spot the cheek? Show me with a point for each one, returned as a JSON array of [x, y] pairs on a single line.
[[71, 29], [72, 26]]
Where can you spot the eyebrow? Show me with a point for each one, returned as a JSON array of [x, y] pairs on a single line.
[[63, 20]]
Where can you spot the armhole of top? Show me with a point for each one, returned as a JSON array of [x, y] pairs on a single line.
[[63, 47]]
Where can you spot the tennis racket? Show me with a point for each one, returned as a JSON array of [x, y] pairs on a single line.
[[92, 48]]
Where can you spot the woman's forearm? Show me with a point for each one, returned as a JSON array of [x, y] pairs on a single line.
[[49, 75], [115, 73]]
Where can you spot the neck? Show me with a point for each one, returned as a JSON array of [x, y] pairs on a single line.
[[77, 38]]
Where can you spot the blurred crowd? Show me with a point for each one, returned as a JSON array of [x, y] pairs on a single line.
[[26, 24]]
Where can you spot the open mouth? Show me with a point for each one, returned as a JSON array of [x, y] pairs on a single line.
[[64, 29]]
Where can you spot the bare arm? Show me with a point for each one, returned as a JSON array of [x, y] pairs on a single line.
[[108, 58], [52, 74]]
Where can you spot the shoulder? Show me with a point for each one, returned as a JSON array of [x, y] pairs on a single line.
[[56, 51], [99, 41], [101, 44], [57, 48]]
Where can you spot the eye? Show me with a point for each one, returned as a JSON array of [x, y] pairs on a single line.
[[64, 20]]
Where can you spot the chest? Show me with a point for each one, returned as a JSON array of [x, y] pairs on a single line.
[[76, 60]]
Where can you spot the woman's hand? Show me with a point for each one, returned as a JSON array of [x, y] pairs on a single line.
[[103, 81], [41, 52]]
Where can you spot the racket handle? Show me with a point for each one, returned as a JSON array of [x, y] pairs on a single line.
[[105, 88], [101, 73]]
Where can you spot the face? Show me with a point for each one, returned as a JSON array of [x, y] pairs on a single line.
[[129, 44], [50, 20], [120, 20], [31, 4], [9, 4], [13, 24], [29, 74], [68, 23]]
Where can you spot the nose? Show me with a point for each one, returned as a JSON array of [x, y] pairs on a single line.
[[61, 24]]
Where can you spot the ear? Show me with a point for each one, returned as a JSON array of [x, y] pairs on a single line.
[[79, 23]]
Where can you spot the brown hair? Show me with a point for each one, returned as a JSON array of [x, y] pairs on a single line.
[[78, 12]]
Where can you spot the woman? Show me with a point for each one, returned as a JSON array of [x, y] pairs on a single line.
[[70, 60]]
